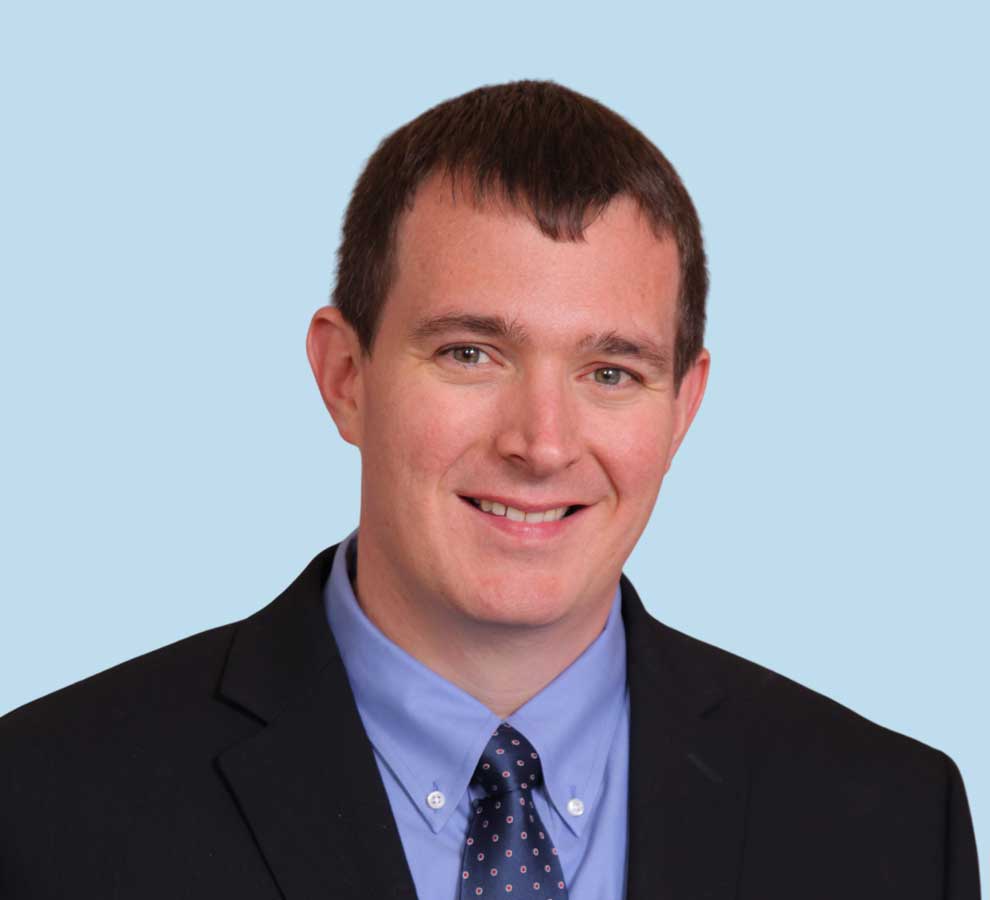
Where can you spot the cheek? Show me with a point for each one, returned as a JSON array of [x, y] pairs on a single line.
[[635, 454], [420, 433]]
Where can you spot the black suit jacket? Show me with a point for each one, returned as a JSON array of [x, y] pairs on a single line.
[[234, 764]]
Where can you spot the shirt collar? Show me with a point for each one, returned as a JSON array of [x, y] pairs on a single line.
[[572, 721], [430, 733]]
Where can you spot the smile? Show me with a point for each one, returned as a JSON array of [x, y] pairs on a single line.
[[494, 508]]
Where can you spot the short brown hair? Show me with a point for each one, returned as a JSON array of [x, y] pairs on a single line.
[[550, 150]]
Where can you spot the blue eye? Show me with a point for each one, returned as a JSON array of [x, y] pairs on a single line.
[[611, 376]]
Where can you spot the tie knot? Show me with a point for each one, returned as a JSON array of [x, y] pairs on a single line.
[[509, 763]]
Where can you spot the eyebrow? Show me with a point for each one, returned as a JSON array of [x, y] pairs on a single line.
[[642, 348], [610, 343], [490, 326]]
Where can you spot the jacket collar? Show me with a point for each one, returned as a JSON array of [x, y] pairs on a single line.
[[688, 783], [308, 785]]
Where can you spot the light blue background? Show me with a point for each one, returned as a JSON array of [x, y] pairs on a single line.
[[173, 181]]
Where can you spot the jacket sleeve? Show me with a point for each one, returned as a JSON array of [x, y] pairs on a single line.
[[962, 876]]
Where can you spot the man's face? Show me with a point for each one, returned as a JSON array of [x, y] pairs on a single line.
[[515, 374]]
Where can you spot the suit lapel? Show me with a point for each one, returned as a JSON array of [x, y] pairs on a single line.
[[687, 776], [307, 782]]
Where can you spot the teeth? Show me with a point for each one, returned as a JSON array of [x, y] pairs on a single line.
[[517, 515]]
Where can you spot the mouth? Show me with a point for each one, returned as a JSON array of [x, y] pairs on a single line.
[[549, 514]]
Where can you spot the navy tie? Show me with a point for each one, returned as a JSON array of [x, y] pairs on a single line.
[[508, 849]]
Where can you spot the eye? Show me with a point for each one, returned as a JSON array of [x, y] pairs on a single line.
[[612, 376], [466, 354]]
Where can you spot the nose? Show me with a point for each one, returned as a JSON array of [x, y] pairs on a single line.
[[538, 428]]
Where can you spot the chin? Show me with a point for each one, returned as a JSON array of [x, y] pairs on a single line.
[[525, 604]]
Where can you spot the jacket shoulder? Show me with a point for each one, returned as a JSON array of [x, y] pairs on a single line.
[[785, 719], [827, 784], [163, 682]]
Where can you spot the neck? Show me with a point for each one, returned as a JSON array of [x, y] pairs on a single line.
[[501, 665]]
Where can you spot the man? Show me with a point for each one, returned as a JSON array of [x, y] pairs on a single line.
[[466, 697]]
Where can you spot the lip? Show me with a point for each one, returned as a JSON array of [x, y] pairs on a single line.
[[527, 532]]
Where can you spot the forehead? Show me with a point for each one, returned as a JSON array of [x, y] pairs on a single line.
[[456, 254]]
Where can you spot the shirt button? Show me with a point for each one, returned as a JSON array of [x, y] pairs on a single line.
[[575, 806], [435, 800]]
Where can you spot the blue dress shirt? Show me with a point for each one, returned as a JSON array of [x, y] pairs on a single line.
[[428, 734]]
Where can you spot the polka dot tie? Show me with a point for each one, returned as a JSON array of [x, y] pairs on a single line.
[[508, 849]]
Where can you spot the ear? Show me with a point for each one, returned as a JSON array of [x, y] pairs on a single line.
[[688, 400], [336, 358]]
